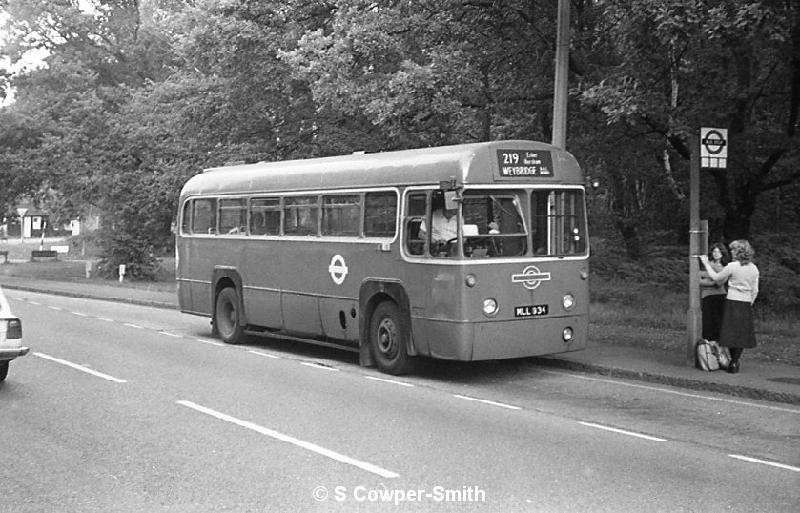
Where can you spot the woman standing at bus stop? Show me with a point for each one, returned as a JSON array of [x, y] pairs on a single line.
[[738, 330], [713, 293]]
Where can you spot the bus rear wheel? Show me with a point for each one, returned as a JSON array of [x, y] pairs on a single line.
[[3, 370], [388, 339], [227, 316]]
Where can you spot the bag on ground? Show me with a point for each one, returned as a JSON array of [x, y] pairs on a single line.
[[711, 357], [723, 356]]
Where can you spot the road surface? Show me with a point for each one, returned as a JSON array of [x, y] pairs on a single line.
[[131, 409]]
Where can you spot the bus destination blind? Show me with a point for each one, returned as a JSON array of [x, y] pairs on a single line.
[[524, 163]]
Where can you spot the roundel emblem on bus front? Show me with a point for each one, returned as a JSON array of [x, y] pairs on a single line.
[[530, 277], [338, 269]]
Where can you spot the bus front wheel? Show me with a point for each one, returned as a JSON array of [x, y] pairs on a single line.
[[388, 339], [227, 315]]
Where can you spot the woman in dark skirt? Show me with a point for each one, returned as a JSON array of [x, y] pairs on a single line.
[[738, 331], [713, 293]]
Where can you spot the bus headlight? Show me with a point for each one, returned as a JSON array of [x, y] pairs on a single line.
[[567, 334], [568, 301], [489, 306]]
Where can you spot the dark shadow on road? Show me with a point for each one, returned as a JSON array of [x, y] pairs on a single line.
[[477, 372]]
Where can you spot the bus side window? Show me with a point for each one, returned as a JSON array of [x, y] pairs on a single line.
[[186, 219], [204, 216], [232, 216], [380, 214], [300, 215], [265, 216], [341, 215]]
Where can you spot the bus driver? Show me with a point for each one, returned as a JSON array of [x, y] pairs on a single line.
[[444, 221]]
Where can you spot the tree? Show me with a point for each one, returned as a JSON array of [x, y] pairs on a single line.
[[138, 95], [72, 152], [678, 65], [414, 74]]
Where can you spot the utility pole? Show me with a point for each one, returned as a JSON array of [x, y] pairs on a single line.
[[561, 76], [709, 149], [694, 316]]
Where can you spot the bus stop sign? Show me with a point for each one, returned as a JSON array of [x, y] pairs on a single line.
[[713, 147]]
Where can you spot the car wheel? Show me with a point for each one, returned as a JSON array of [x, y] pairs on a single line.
[[227, 316], [388, 338]]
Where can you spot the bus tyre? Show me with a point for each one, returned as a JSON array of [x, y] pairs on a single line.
[[388, 339], [227, 315], [3, 370]]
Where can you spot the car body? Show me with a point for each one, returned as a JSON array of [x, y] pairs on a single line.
[[10, 336]]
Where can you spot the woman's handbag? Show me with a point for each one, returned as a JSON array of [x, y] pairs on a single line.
[[711, 356]]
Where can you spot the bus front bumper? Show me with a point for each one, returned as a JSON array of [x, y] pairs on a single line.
[[498, 339]]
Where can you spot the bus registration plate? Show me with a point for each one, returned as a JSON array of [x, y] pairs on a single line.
[[530, 310]]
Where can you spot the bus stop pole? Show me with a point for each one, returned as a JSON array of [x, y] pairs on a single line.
[[561, 77], [694, 315]]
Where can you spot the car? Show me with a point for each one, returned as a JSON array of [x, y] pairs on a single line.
[[10, 337]]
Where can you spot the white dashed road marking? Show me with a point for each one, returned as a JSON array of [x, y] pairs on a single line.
[[80, 368], [210, 342], [267, 355], [392, 381], [622, 431], [388, 474], [378, 470], [318, 366], [764, 462], [487, 401]]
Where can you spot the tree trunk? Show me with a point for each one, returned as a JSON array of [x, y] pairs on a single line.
[[629, 229], [738, 217]]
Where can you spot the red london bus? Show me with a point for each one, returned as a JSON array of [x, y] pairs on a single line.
[[337, 251]]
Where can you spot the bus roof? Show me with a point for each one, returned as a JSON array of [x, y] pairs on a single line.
[[476, 163]]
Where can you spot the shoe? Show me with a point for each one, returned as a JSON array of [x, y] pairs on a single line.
[[733, 368]]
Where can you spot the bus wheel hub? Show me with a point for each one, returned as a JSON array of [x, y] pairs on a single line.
[[386, 336]]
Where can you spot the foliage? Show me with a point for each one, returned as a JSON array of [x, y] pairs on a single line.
[[429, 73], [135, 96], [625, 281], [679, 65]]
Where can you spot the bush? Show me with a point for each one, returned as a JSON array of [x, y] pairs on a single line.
[[134, 251], [663, 271], [85, 245]]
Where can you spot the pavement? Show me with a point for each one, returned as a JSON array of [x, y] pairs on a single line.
[[758, 379]]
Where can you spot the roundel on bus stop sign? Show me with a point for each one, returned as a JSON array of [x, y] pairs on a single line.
[[713, 147], [338, 269], [713, 142]]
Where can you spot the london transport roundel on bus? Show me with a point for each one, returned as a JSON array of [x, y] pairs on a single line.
[[338, 269], [531, 277]]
